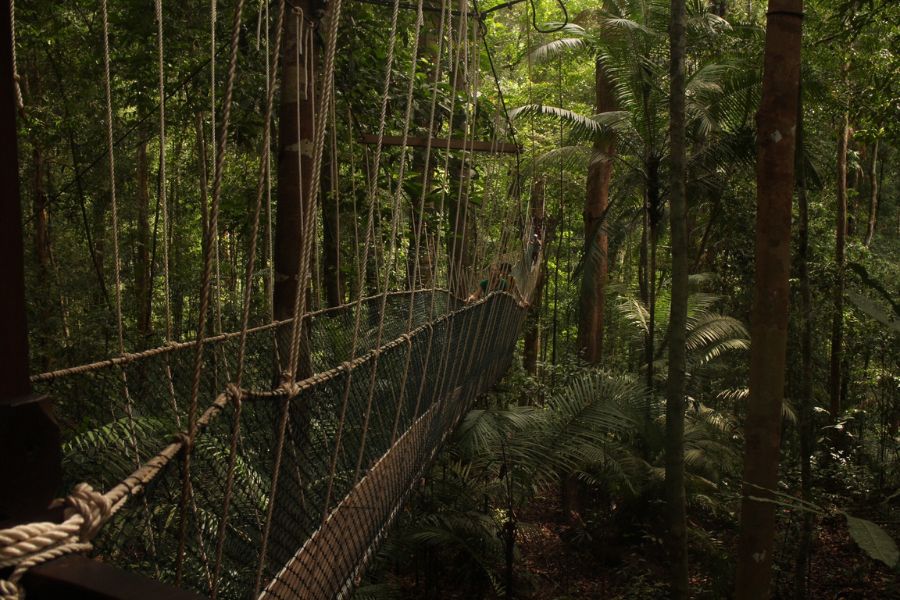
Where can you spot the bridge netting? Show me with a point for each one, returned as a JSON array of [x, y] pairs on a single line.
[[348, 457], [269, 461]]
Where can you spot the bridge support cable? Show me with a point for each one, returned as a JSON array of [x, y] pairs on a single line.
[[279, 483]]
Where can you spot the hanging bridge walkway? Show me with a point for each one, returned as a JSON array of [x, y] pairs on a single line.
[[322, 465], [270, 461]]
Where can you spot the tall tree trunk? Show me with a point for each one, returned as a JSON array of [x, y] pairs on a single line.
[[873, 195], [331, 235], [463, 234], [422, 248], [837, 318], [40, 210], [805, 417], [675, 381], [596, 264], [142, 245], [532, 342], [462, 238], [295, 151], [653, 214], [776, 130]]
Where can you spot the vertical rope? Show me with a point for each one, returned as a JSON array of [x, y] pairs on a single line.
[[371, 193], [395, 221], [205, 284], [20, 103], [245, 317], [303, 271], [162, 165], [270, 238], [114, 212]]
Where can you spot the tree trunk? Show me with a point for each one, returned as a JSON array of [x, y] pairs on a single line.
[[873, 195], [593, 284], [837, 319], [776, 130], [40, 210], [653, 213], [675, 381], [532, 342], [422, 248], [142, 245], [805, 416], [462, 238], [331, 234], [295, 151]]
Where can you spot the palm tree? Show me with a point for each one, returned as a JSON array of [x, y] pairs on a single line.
[[627, 40]]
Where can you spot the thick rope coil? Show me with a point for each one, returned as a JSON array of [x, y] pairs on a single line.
[[20, 103], [31, 544]]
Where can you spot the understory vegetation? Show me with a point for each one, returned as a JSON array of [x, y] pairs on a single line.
[[703, 197]]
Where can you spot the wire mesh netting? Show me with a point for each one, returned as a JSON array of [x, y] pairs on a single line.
[[357, 435]]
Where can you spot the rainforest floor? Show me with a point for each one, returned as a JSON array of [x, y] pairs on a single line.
[[559, 560]]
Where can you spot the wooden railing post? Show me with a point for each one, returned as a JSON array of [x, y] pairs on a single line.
[[29, 438]]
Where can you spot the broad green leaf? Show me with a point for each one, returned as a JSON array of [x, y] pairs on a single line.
[[873, 540]]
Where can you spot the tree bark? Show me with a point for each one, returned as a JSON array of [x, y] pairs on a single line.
[[776, 130], [142, 245], [840, 238], [653, 213], [596, 264], [805, 416], [423, 222], [676, 377], [295, 151], [532, 342], [40, 210], [873, 195], [462, 238], [331, 235]]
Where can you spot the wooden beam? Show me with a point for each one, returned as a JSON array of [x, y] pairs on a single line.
[[77, 577], [442, 144], [30, 456]]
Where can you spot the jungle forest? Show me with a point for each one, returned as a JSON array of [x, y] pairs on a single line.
[[450, 299]]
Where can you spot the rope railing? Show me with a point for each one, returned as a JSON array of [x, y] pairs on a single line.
[[270, 461], [478, 339]]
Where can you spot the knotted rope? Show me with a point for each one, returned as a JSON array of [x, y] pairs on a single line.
[[20, 103], [31, 544]]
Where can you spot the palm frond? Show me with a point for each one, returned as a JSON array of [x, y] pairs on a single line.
[[555, 48]]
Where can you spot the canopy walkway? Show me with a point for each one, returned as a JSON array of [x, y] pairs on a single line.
[[270, 461], [323, 465]]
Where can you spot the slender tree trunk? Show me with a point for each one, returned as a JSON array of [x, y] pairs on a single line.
[[837, 319], [463, 235], [653, 216], [331, 235], [807, 437], [532, 342], [776, 130], [295, 150], [873, 195], [40, 210], [422, 248], [142, 246], [462, 238], [675, 381], [592, 294]]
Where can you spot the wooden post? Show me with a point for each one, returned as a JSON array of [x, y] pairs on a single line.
[[29, 438]]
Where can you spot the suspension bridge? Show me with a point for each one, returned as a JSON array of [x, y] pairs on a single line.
[[269, 461]]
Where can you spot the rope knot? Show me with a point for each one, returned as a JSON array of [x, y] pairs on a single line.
[[10, 591], [92, 506], [235, 393], [183, 438]]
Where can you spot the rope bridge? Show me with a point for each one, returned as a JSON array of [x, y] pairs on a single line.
[[268, 462], [345, 465]]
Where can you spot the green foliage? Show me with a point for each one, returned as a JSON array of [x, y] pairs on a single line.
[[873, 540]]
